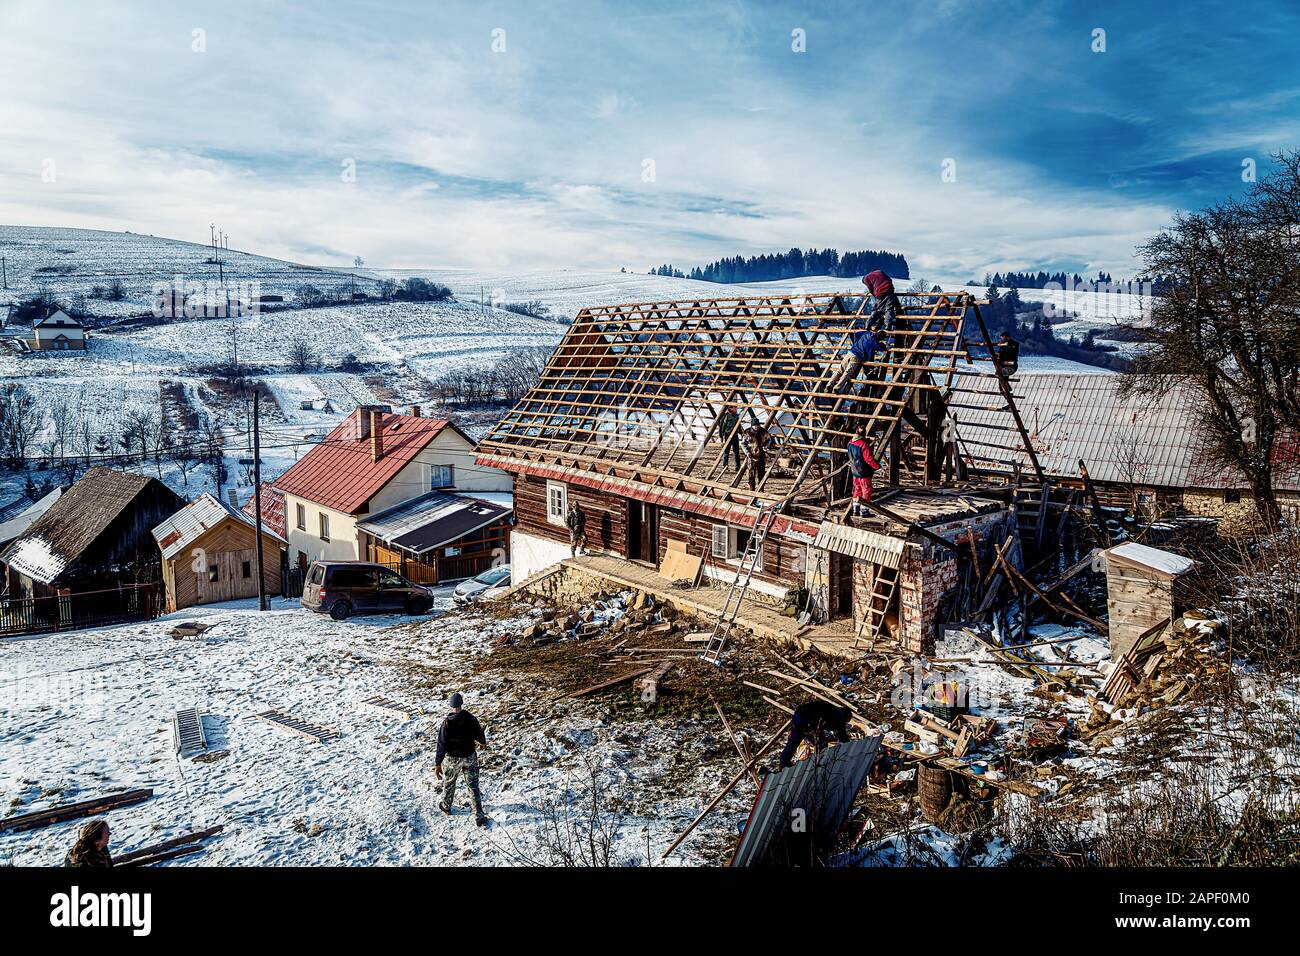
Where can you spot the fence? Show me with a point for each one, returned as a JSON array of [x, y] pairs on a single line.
[[74, 611], [292, 582]]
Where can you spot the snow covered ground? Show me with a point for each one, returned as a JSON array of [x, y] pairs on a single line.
[[87, 713]]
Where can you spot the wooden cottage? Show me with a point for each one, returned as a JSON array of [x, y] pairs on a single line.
[[209, 555], [90, 559], [1143, 589]]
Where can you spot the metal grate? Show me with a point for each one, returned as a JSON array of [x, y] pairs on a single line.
[[187, 731], [294, 725], [404, 711]]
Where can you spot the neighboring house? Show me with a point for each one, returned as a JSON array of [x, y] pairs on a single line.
[[16, 525], [1141, 449], [209, 555], [57, 331], [370, 463], [440, 536], [91, 552]]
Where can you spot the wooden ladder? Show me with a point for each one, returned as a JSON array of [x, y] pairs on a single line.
[[884, 583], [749, 560]]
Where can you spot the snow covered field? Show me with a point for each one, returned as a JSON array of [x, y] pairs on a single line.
[[84, 714]]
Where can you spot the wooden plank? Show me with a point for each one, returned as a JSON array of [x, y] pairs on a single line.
[[294, 725], [612, 682], [146, 851], [73, 811]]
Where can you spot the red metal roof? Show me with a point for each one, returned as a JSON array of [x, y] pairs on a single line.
[[272, 508], [340, 472]]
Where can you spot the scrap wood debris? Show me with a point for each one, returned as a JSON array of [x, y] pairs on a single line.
[[73, 811]]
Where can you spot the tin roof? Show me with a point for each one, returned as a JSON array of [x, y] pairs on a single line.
[[341, 473], [432, 520], [1139, 440], [194, 521], [24, 519]]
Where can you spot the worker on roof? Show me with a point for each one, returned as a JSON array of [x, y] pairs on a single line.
[[885, 307], [576, 521], [1008, 352], [756, 446], [729, 435], [817, 722], [862, 351], [861, 465]]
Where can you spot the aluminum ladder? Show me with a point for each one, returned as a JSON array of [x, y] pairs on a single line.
[[740, 584]]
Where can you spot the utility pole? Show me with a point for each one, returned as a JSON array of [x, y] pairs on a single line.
[[257, 500], [4, 271]]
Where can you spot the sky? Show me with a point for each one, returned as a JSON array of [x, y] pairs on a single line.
[[969, 136]]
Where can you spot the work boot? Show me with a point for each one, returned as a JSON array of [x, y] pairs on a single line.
[[481, 819], [444, 808]]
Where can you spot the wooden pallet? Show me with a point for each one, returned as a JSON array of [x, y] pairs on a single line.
[[404, 711], [293, 725], [187, 731]]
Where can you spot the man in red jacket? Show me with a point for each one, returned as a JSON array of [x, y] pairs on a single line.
[[884, 312], [861, 464]]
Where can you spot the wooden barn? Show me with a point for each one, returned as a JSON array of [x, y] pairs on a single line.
[[209, 555], [90, 557]]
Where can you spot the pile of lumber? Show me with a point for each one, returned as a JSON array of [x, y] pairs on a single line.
[[1161, 667]]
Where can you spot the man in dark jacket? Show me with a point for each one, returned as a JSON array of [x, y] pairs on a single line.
[[816, 721], [459, 738], [1008, 353], [885, 309], [576, 521], [729, 435]]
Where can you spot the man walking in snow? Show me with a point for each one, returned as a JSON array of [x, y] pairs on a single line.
[[459, 738]]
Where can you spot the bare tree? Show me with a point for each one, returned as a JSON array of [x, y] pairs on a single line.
[[21, 420], [302, 357], [1229, 324]]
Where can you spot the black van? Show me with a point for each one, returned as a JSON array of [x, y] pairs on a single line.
[[344, 588]]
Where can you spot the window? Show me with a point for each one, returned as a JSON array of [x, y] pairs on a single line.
[[212, 574], [324, 526], [441, 476], [728, 544], [557, 502], [300, 512], [1231, 497], [387, 579], [248, 569]]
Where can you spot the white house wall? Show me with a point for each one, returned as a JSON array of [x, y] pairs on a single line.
[[530, 554]]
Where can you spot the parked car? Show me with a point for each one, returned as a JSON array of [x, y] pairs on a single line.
[[489, 584], [344, 588]]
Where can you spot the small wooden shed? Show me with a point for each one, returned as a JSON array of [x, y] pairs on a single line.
[[209, 555], [1143, 588]]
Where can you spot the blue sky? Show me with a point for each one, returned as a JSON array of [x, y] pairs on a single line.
[[523, 135]]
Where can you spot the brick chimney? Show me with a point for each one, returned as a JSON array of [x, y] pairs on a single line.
[[363, 422], [415, 411], [376, 434]]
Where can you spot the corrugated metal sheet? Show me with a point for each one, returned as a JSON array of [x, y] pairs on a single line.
[[341, 472], [20, 522], [822, 787], [1143, 439], [861, 543], [195, 520]]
